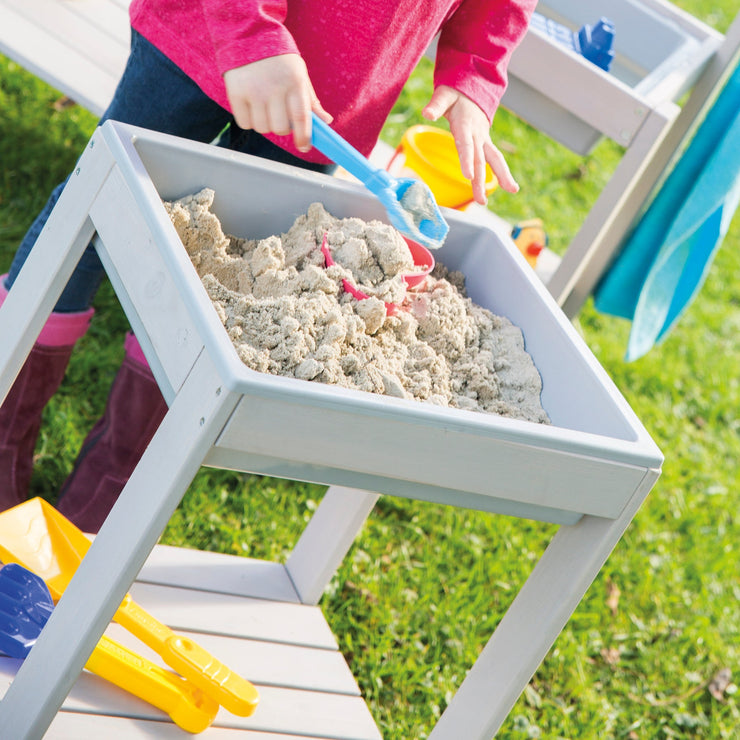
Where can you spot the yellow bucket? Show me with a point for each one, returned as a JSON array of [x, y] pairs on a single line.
[[431, 153]]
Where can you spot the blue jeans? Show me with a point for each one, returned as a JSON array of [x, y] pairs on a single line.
[[153, 93]]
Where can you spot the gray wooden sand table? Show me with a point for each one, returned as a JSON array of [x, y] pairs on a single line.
[[589, 473]]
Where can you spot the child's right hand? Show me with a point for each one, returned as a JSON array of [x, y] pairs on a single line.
[[275, 95]]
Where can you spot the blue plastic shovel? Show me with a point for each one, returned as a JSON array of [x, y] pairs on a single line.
[[410, 204], [25, 607]]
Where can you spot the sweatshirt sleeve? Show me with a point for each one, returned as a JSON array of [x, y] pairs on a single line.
[[475, 46], [246, 31]]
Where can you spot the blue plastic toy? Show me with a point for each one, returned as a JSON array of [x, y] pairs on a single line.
[[592, 42], [417, 217]]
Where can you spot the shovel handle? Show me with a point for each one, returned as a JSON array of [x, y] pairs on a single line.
[[185, 656], [186, 704], [341, 152]]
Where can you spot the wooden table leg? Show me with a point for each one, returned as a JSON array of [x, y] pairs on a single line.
[[192, 424], [532, 623]]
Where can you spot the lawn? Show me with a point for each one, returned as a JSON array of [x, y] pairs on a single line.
[[424, 586]]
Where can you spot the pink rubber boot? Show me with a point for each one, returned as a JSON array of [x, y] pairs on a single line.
[[38, 380], [113, 447]]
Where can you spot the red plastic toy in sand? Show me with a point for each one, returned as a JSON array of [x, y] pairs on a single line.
[[422, 257]]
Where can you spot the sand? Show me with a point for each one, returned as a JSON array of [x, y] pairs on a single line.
[[418, 202], [287, 314]]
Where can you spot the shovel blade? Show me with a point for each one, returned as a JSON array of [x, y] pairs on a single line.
[[23, 592], [414, 212], [25, 607], [420, 220], [36, 536]]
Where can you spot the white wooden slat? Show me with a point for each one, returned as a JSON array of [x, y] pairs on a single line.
[[91, 694], [525, 473], [309, 713], [280, 710], [601, 233], [85, 28], [225, 614], [230, 459], [110, 18], [549, 118], [170, 349], [531, 624], [578, 86], [210, 571], [683, 19], [74, 726], [263, 663], [55, 254], [676, 74], [327, 538], [54, 62]]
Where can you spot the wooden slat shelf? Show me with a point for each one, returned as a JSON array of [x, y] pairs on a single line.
[[285, 648]]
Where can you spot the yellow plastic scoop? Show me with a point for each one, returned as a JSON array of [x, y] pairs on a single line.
[[25, 607], [189, 707], [35, 535]]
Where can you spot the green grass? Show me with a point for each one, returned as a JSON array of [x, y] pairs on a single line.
[[424, 586]]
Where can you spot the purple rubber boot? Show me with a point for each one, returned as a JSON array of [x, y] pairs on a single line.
[[113, 447], [20, 413]]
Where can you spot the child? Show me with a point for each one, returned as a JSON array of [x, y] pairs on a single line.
[[263, 67]]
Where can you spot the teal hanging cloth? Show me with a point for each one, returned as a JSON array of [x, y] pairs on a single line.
[[667, 257]]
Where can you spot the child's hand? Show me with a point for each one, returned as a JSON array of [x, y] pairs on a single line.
[[275, 95], [471, 131]]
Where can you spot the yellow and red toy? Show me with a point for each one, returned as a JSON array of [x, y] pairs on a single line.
[[531, 238]]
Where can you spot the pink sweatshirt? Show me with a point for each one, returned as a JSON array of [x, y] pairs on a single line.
[[359, 53]]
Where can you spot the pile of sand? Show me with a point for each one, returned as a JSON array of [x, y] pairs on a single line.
[[287, 314]]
